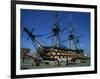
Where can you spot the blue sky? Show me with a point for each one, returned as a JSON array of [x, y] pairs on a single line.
[[43, 20]]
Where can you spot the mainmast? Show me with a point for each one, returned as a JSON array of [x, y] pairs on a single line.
[[72, 38]]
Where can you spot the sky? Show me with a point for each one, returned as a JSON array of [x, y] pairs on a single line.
[[42, 21]]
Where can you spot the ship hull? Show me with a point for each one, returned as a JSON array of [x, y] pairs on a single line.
[[50, 53]]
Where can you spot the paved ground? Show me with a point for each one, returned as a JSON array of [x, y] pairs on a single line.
[[28, 65]]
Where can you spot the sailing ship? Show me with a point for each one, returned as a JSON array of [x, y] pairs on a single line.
[[57, 51]]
